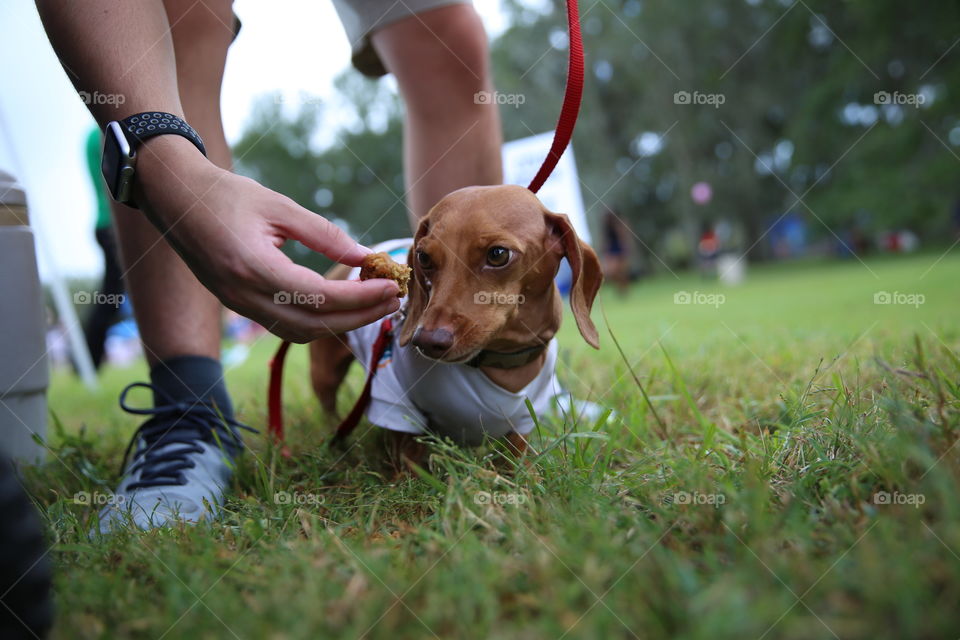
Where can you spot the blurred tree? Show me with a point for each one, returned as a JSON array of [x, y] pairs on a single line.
[[770, 101], [357, 181]]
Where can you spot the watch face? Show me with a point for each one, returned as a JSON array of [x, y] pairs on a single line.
[[117, 163]]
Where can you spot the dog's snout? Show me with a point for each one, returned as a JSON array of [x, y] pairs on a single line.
[[433, 342]]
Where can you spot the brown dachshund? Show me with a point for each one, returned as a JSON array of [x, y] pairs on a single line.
[[475, 338]]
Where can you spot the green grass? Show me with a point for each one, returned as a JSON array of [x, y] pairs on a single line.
[[779, 414]]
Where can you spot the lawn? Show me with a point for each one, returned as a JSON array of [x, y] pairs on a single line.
[[779, 463]]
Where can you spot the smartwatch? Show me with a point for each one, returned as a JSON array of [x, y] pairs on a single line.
[[121, 139]]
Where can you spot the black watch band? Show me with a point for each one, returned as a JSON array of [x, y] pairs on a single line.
[[120, 142], [142, 126]]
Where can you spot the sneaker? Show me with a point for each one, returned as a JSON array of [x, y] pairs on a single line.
[[182, 461]]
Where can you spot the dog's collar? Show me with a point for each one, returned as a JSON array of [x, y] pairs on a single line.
[[501, 360]]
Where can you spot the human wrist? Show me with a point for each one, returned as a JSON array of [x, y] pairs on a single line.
[[163, 165]]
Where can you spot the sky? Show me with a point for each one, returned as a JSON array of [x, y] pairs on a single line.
[[295, 47]]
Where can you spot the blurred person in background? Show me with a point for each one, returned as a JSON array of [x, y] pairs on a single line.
[[198, 236], [708, 248], [105, 311], [617, 249], [956, 220]]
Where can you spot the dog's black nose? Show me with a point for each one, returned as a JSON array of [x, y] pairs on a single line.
[[433, 342]]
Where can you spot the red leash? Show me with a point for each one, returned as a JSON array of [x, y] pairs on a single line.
[[561, 138], [274, 400], [349, 423], [571, 100]]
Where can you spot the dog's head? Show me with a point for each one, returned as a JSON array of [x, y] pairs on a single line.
[[484, 261]]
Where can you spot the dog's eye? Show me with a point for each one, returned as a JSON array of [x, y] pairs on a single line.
[[424, 260], [498, 256]]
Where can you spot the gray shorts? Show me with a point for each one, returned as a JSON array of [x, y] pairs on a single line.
[[361, 18]]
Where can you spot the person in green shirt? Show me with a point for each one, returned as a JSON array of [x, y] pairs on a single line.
[[106, 305]]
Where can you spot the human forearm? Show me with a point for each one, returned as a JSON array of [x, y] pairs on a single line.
[[118, 51], [228, 229]]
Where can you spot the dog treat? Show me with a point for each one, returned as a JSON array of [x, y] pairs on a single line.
[[381, 265]]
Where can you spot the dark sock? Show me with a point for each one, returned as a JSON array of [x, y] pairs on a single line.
[[191, 379]]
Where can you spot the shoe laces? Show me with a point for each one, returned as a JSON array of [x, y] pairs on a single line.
[[185, 424]]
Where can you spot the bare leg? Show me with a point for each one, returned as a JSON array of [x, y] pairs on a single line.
[[176, 315], [441, 61]]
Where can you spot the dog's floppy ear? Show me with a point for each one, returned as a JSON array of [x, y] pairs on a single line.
[[417, 294], [587, 275]]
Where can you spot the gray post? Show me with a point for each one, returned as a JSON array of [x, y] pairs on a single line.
[[24, 373]]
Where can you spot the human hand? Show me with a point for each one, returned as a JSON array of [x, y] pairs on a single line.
[[229, 230]]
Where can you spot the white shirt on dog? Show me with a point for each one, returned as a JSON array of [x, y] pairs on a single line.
[[411, 391]]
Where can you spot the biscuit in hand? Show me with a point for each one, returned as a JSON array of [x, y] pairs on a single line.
[[381, 265]]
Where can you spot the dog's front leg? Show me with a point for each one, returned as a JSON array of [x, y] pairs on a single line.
[[513, 448], [404, 452], [330, 359], [516, 444]]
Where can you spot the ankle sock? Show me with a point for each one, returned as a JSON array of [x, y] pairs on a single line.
[[191, 379]]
